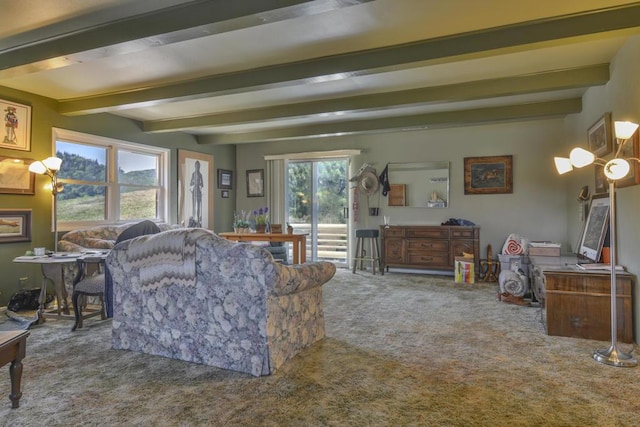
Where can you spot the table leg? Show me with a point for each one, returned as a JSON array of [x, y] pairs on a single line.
[[303, 250], [15, 372], [296, 253], [54, 273], [42, 299]]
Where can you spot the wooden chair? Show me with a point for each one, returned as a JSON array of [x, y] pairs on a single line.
[[90, 281]]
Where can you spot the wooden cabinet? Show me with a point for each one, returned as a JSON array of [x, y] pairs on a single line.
[[427, 246], [577, 303]]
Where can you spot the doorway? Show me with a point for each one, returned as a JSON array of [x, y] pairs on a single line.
[[317, 197]]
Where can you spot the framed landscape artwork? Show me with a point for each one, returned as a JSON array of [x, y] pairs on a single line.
[[15, 177], [195, 189], [15, 225], [599, 136], [488, 175], [17, 126]]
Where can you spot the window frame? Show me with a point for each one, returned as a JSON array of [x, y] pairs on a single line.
[[112, 186]]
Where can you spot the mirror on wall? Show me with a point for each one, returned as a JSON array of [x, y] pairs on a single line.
[[421, 185]]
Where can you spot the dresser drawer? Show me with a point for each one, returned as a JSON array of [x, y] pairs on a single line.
[[393, 232], [428, 245], [431, 233], [462, 233], [434, 259]]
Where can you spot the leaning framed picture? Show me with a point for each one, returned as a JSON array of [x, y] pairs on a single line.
[[255, 183], [17, 126], [225, 179], [599, 136], [595, 228], [195, 189], [15, 177], [488, 175], [15, 225]]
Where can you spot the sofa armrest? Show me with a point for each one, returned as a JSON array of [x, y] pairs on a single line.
[[297, 278]]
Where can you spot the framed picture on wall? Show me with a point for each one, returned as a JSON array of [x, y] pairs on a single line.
[[255, 183], [599, 136], [195, 189], [16, 119], [15, 177], [631, 149], [15, 225], [225, 179], [601, 180], [488, 175]]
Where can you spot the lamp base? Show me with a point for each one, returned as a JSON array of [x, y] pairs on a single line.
[[614, 357]]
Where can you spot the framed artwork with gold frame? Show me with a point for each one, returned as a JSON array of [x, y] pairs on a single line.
[[488, 175], [15, 177]]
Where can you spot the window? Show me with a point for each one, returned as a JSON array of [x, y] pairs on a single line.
[[109, 181]]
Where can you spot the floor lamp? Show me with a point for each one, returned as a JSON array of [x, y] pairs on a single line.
[[50, 167], [614, 169]]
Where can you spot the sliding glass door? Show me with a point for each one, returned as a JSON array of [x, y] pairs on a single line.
[[317, 195]]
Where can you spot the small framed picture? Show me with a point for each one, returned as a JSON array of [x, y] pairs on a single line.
[[15, 225], [17, 126], [255, 183], [225, 179], [631, 149], [599, 136], [602, 185], [276, 228], [225, 194]]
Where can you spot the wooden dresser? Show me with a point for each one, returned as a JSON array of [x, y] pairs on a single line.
[[577, 303], [428, 246]]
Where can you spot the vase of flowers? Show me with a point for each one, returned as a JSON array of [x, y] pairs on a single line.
[[241, 222], [261, 216]]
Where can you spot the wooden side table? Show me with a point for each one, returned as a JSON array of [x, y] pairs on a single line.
[[13, 348]]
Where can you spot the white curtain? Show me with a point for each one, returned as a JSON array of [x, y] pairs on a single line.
[[275, 190]]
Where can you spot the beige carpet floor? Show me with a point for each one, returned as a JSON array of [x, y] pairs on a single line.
[[401, 350]]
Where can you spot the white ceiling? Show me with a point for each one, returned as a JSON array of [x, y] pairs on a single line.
[[257, 70]]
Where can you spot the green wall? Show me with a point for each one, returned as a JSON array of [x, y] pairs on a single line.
[[43, 118]]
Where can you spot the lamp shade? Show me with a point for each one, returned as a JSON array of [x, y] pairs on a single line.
[[563, 165], [616, 169], [625, 130], [580, 157], [37, 167], [52, 163]]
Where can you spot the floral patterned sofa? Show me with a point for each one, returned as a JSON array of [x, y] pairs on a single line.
[[99, 237], [191, 295]]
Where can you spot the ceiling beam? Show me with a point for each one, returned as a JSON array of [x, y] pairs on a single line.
[[532, 83], [160, 27], [418, 121], [477, 43]]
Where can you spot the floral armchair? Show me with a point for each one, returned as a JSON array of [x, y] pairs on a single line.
[[191, 295]]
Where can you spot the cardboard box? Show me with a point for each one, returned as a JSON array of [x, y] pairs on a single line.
[[544, 249], [464, 270]]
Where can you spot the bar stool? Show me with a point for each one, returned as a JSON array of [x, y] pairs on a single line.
[[361, 254]]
